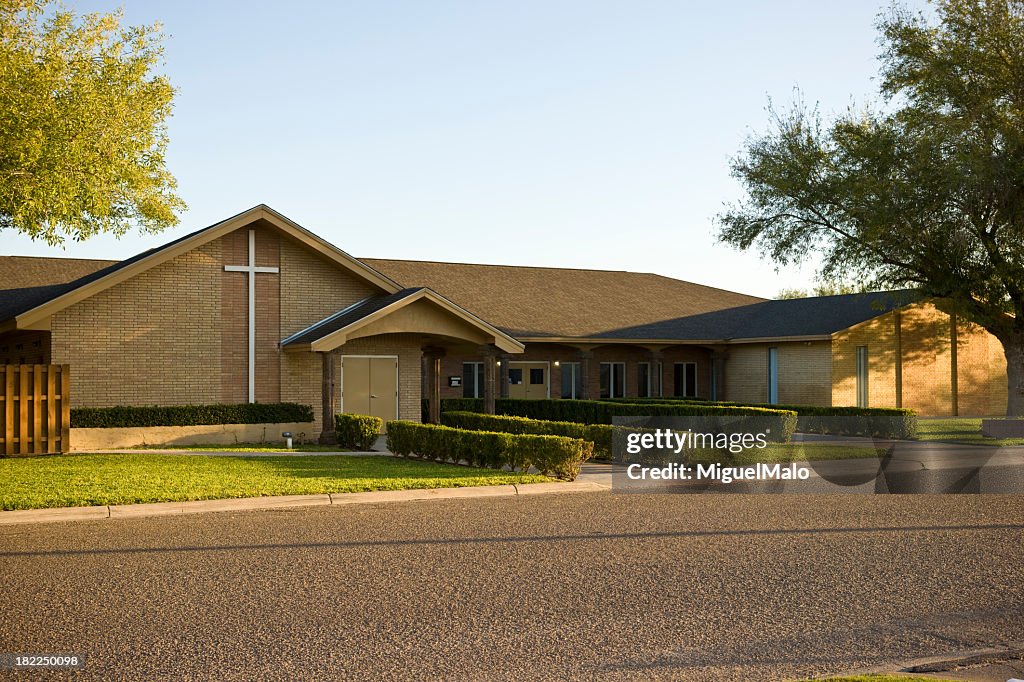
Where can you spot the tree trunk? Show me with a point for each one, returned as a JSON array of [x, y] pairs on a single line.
[[1013, 348]]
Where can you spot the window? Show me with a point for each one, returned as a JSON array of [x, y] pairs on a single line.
[[515, 377], [472, 380], [643, 380], [684, 377], [613, 379], [862, 376], [536, 376], [572, 380], [773, 376]]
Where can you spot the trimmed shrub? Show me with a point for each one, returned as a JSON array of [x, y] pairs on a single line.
[[357, 431], [551, 455], [189, 415], [598, 434], [882, 422], [778, 421]]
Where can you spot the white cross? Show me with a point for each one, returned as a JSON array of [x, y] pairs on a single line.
[[252, 269]]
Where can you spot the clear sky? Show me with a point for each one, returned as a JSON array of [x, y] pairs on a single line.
[[560, 133]]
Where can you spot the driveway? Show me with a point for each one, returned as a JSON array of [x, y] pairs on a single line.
[[574, 586]]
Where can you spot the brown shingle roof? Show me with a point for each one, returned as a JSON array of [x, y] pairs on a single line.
[[18, 272], [532, 301]]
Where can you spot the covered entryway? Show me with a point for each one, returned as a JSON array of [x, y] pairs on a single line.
[[419, 321], [369, 385]]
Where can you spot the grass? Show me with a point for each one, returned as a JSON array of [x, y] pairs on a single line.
[[959, 430], [791, 452], [879, 678], [87, 480], [245, 447]]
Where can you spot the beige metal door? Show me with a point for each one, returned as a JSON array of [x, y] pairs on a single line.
[[528, 380], [369, 385]]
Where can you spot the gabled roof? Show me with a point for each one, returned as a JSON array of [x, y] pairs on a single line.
[[30, 304], [19, 272], [816, 317], [529, 303], [332, 331], [533, 302]]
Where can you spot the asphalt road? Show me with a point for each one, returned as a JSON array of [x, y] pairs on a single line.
[[581, 586]]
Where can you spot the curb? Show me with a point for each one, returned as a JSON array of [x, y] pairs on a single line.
[[942, 662], [135, 511]]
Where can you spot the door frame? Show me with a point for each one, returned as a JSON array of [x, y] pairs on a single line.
[[547, 373], [341, 385]]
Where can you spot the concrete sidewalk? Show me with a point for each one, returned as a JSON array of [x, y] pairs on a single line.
[[286, 501]]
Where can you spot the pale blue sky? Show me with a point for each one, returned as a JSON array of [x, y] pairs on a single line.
[[570, 134]]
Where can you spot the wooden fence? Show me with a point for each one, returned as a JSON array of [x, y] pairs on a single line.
[[36, 409]]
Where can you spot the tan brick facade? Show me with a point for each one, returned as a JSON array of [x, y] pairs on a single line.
[[911, 363], [804, 372], [150, 340], [178, 332]]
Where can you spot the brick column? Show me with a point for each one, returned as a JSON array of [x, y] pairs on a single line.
[[433, 357], [488, 355], [657, 373], [585, 357], [718, 358], [503, 375], [327, 434]]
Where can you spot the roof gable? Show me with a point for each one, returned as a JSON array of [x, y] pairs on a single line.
[[360, 320], [30, 305]]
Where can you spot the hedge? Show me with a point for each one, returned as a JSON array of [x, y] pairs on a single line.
[[884, 422], [598, 434], [357, 431], [551, 455], [189, 415]]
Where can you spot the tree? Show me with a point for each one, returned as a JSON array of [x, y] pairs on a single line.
[[925, 189], [82, 132], [822, 289]]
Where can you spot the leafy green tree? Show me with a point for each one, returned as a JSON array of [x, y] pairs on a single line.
[[82, 125], [925, 189], [822, 289]]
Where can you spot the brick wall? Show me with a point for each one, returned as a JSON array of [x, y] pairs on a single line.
[[924, 339], [313, 287], [178, 333], [879, 335], [151, 340], [235, 323], [804, 372]]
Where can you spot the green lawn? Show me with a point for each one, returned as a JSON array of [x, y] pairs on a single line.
[[792, 452], [959, 430], [86, 480]]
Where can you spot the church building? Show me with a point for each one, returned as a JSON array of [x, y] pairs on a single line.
[[258, 308]]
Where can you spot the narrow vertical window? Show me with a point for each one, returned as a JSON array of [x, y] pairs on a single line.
[[613, 379], [862, 376], [572, 380], [472, 380], [684, 380], [773, 375]]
